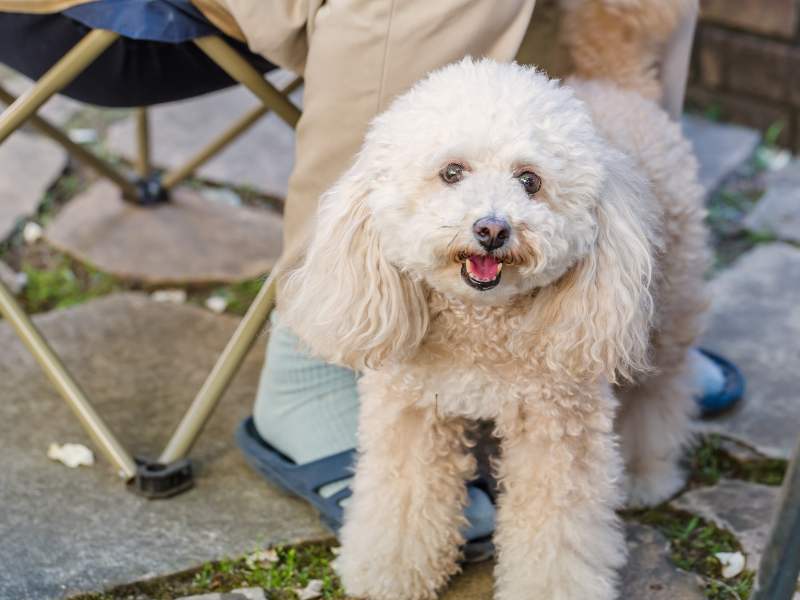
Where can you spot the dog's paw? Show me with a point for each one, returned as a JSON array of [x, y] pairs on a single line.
[[659, 482]]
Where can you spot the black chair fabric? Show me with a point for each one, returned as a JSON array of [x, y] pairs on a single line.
[[131, 72]]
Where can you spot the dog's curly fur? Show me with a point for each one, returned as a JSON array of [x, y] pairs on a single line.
[[598, 302], [623, 40]]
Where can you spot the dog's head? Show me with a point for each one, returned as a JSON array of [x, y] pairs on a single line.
[[489, 183]]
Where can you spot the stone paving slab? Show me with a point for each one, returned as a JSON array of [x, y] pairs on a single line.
[[189, 240], [262, 158], [28, 166], [648, 575], [240, 594], [720, 148], [745, 509], [755, 321], [64, 531], [778, 210]]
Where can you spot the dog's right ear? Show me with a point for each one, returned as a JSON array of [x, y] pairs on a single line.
[[346, 301]]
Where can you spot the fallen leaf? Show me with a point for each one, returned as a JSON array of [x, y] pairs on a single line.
[[312, 591], [72, 455], [269, 555], [216, 304], [32, 232], [732, 563]]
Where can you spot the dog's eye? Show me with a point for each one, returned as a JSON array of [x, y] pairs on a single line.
[[530, 181], [452, 173]]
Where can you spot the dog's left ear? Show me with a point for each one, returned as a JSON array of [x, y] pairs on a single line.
[[347, 301], [599, 313]]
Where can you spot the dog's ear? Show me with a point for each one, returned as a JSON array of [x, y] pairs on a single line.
[[347, 301], [598, 315]]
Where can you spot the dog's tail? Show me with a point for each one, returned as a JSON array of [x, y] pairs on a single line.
[[623, 40]]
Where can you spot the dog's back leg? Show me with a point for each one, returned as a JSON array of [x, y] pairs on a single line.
[[654, 424]]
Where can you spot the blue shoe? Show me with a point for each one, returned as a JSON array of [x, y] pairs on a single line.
[[306, 481], [713, 404]]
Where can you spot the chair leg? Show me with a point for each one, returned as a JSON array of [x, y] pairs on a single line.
[[221, 375], [60, 75], [77, 151], [143, 143], [242, 340], [66, 385], [239, 69], [780, 564], [172, 178]]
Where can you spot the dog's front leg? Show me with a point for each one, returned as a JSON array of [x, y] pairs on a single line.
[[558, 536], [400, 539]]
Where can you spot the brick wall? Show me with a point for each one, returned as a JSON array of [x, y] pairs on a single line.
[[746, 64]]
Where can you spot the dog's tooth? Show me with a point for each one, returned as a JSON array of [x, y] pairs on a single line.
[[499, 267]]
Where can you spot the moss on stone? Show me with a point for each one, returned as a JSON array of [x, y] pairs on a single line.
[[294, 568], [709, 461]]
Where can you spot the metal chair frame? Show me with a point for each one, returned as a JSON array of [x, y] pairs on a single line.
[[22, 110]]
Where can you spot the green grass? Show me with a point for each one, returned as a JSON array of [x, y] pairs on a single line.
[[772, 133], [64, 283], [709, 462], [295, 567]]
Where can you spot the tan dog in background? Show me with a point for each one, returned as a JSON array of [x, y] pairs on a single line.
[[624, 41]]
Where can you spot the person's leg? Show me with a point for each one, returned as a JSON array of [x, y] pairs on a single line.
[[307, 409]]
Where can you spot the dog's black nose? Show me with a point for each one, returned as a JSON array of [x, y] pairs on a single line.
[[491, 232]]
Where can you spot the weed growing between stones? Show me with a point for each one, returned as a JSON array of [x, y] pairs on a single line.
[[292, 569], [709, 461], [693, 540], [63, 284], [693, 543]]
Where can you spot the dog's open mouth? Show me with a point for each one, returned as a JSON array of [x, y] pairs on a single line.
[[481, 271]]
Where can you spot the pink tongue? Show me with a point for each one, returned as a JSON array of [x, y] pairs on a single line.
[[483, 267]]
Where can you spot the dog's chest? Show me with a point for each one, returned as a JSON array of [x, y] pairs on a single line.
[[470, 365], [456, 390]]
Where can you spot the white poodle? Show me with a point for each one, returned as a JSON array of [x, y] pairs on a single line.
[[508, 248]]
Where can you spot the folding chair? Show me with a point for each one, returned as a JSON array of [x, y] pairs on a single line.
[[158, 51]]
